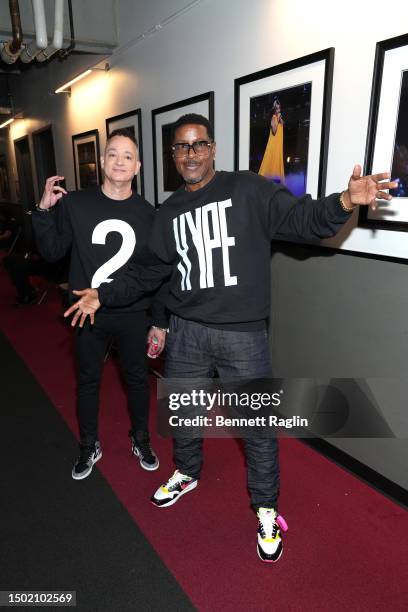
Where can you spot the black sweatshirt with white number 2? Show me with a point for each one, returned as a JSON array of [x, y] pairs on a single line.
[[104, 236]]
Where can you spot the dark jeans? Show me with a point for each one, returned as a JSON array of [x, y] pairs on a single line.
[[129, 331], [194, 351]]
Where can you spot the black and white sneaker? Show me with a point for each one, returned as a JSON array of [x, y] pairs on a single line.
[[141, 448], [270, 546], [87, 457], [175, 487]]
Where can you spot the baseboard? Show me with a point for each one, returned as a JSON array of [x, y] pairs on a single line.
[[379, 482]]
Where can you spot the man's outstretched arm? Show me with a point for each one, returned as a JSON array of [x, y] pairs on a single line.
[[322, 218], [139, 279]]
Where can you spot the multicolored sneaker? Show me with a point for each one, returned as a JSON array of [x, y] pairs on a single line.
[[87, 457], [270, 546], [175, 487], [141, 448]]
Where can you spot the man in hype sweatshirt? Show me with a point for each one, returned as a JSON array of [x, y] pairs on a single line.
[[213, 237]]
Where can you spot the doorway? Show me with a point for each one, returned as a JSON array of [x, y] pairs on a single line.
[[26, 193], [44, 156]]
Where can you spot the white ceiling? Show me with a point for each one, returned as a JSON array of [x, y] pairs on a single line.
[[100, 25]]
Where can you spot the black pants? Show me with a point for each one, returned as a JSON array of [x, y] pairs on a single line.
[[197, 351], [129, 331]]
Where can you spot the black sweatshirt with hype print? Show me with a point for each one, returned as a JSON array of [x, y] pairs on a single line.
[[215, 242], [104, 235]]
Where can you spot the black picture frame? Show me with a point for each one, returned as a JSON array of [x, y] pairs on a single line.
[[87, 159], [166, 179], [389, 89], [317, 69], [131, 120]]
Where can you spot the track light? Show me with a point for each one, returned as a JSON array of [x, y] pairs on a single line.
[[6, 122], [66, 88]]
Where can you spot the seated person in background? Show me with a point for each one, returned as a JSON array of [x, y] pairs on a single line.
[[20, 266], [5, 232]]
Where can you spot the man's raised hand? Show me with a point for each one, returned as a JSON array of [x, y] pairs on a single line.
[[52, 192], [366, 190]]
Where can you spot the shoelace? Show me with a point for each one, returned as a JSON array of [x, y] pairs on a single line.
[[268, 526], [174, 480], [85, 454], [146, 450]]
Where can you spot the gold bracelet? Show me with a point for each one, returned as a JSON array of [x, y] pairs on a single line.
[[342, 204]]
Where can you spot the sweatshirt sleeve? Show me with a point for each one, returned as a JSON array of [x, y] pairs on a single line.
[[141, 277], [160, 314], [289, 216], [144, 275], [53, 231]]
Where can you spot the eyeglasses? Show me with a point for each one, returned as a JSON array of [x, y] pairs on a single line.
[[200, 147]]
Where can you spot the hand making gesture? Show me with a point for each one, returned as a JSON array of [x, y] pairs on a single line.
[[366, 190], [52, 193]]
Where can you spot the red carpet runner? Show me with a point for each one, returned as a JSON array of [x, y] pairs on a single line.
[[347, 544]]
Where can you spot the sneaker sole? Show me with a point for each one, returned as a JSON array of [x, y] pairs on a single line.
[[268, 560], [144, 467], [173, 501], [76, 477]]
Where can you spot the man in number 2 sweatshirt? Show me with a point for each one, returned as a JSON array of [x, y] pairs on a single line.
[[104, 228]]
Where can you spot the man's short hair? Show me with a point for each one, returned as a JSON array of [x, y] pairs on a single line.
[[122, 132], [193, 119]]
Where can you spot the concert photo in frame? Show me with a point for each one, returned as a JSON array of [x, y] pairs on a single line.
[[279, 136], [282, 120]]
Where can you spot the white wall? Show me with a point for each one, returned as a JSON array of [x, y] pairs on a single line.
[[136, 17]]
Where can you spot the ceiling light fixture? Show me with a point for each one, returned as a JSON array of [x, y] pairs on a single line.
[[6, 123], [66, 88]]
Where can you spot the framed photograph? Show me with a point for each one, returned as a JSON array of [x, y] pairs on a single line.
[[166, 177], [131, 121], [86, 159], [387, 136], [282, 121]]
